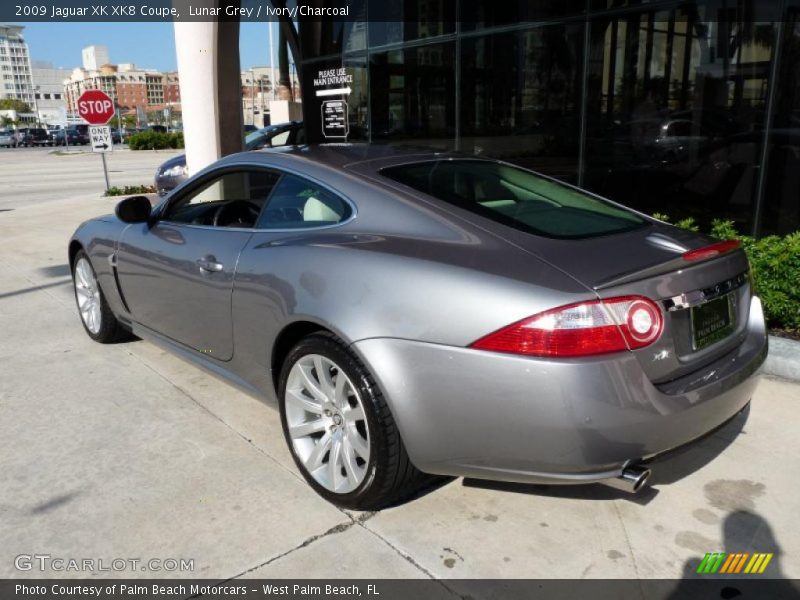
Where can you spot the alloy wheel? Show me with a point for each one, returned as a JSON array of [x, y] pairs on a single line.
[[88, 294], [327, 424]]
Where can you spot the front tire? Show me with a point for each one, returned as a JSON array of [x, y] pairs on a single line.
[[98, 320], [339, 428]]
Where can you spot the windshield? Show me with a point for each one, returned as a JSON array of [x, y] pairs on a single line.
[[258, 139], [516, 198]]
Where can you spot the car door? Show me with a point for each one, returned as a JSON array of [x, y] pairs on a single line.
[[176, 274]]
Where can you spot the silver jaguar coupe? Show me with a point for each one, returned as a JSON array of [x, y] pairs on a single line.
[[416, 314]]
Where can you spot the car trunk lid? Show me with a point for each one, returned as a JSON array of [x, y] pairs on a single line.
[[649, 261]]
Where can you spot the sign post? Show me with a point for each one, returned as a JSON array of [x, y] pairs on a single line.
[[96, 108], [100, 138]]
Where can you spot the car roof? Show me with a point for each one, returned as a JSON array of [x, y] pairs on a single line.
[[362, 157]]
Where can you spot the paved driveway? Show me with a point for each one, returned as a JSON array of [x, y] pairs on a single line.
[[125, 451]]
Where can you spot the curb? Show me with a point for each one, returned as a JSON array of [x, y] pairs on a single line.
[[783, 359]]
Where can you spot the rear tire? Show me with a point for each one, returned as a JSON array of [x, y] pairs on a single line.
[[371, 469], [98, 320]]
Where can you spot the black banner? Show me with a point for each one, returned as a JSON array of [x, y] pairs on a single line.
[[16, 11], [517, 12], [416, 589]]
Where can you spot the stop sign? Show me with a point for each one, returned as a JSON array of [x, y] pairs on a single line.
[[95, 107]]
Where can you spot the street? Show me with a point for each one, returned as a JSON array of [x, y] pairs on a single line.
[[127, 451], [34, 175]]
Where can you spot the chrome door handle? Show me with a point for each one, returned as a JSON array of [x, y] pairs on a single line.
[[209, 264]]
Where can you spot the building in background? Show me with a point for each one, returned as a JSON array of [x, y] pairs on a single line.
[[15, 66], [94, 57], [48, 85], [259, 88], [148, 95]]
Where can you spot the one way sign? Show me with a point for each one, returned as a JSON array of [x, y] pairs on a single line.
[[100, 138]]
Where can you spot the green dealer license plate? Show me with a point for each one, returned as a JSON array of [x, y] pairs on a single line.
[[711, 321]]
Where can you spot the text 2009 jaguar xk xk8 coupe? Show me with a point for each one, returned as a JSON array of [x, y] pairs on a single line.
[[418, 314]]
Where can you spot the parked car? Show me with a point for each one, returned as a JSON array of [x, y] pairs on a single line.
[[676, 136], [6, 138], [173, 172], [430, 313], [72, 136], [20, 137], [30, 136], [52, 133], [37, 137], [116, 136]]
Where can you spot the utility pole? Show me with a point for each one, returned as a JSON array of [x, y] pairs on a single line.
[[271, 60], [36, 103], [253, 97], [119, 117], [261, 98]]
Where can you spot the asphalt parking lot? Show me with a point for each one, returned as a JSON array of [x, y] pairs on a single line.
[[125, 451]]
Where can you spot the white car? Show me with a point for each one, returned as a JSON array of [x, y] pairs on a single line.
[[7, 138]]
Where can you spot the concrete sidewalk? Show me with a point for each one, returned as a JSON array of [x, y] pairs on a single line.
[[125, 451]]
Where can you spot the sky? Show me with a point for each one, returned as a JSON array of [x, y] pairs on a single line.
[[148, 45]]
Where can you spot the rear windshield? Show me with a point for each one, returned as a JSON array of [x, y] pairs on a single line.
[[515, 197]]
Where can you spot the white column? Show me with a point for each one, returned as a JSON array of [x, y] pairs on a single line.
[[196, 45], [208, 68]]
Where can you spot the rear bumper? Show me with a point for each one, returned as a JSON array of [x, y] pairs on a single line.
[[486, 415]]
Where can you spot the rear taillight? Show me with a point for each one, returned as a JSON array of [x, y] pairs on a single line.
[[712, 250], [584, 329]]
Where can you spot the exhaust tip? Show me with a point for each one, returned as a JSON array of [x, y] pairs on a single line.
[[631, 480], [641, 479]]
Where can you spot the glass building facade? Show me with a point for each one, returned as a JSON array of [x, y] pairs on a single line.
[[689, 109]]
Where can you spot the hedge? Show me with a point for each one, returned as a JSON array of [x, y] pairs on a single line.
[[775, 261], [155, 140], [130, 190]]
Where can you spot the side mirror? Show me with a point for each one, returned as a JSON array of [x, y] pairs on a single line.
[[135, 209]]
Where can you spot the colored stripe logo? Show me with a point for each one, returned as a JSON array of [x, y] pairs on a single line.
[[734, 563]]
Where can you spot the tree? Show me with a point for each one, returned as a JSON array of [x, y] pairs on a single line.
[[14, 104], [6, 121]]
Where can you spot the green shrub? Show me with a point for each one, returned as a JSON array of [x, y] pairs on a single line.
[[130, 190], [687, 223], [155, 140], [775, 261]]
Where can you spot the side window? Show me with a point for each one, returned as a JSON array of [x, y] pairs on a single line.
[[298, 203], [234, 199]]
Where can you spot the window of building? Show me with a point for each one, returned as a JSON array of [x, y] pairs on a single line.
[[670, 107], [483, 14], [533, 118], [780, 205], [413, 94], [392, 22], [674, 97]]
